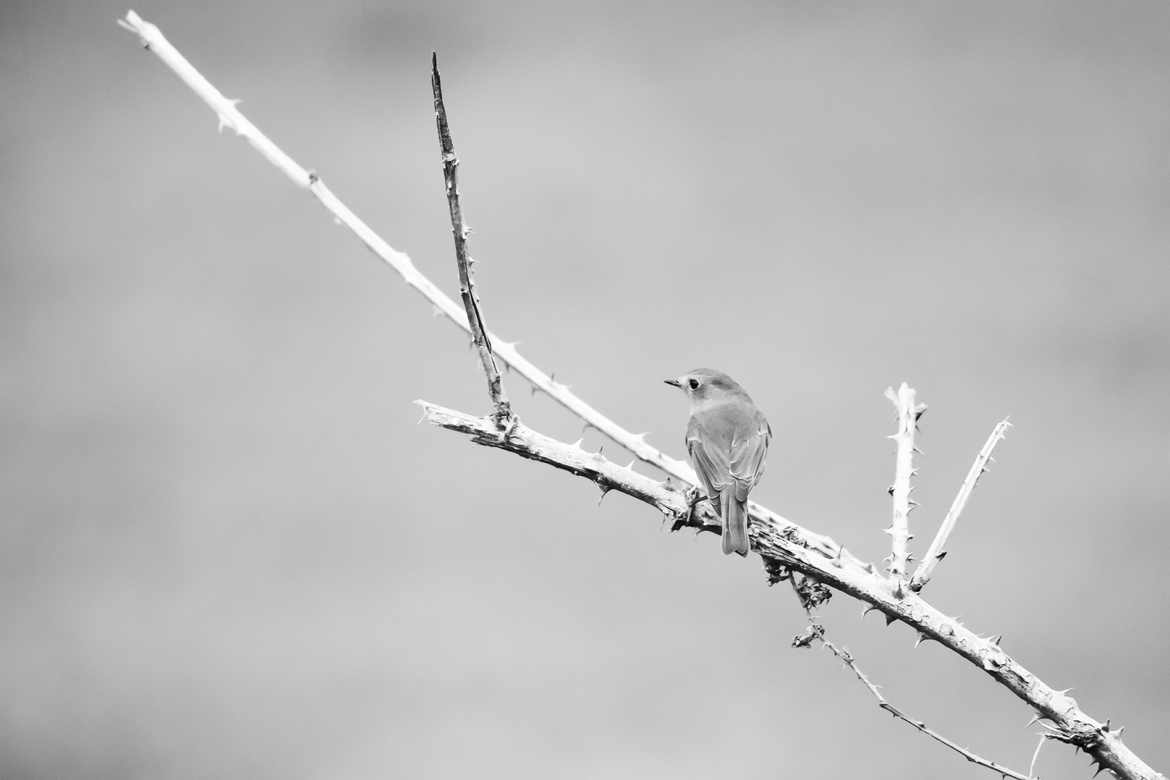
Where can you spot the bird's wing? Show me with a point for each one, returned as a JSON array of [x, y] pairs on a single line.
[[709, 461], [747, 457]]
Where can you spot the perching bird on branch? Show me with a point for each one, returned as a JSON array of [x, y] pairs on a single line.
[[727, 439]]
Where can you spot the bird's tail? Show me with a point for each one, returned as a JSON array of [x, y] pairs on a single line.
[[735, 520]]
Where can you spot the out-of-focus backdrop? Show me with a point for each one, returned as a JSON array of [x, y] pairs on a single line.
[[227, 550]]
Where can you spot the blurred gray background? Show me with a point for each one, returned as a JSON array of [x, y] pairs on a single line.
[[228, 551]]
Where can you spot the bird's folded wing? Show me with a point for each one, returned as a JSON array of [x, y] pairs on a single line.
[[747, 459], [710, 462]]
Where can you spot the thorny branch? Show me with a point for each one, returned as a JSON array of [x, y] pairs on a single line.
[[786, 547], [935, 552], [783, 545], [899, 530], [816, 633], [230, 117], [460, 231]]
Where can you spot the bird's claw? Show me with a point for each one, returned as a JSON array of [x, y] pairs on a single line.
[[693, 496]]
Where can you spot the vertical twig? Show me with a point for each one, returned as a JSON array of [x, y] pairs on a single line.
[[899, 530], [460, 231], [935, 552]]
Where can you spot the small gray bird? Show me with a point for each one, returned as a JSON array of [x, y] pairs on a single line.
[[727, 439]]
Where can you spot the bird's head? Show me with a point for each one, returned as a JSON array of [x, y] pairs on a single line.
[[703, 385]]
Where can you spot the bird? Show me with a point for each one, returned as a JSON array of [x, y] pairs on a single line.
[[727, 440]]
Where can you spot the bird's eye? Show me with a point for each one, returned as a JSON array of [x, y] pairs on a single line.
[[693, 383]]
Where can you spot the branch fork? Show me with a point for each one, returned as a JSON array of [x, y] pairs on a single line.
[[815, 632], [461, 232]]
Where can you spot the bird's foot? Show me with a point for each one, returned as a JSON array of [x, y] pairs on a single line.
[[693, 496]]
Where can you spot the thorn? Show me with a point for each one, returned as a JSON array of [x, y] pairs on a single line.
[[604, 492], [941, 555], [869, 567], [1118, 731], [921, 638], [995, 640], [1035, 719], [224, 121], [577, 444], [630, 466], [867, 610], [889, 619], [600, 450]]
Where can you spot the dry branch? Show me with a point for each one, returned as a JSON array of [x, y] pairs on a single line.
[[935, 552], [847, 659], [783, 545], [787, 547], [899, 530], [816, 633], [460, 232], [229, 116]]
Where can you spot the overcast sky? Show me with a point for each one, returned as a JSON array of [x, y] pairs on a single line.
[[227, 550]]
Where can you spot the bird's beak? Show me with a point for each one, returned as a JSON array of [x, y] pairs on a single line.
[[673, 382]]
